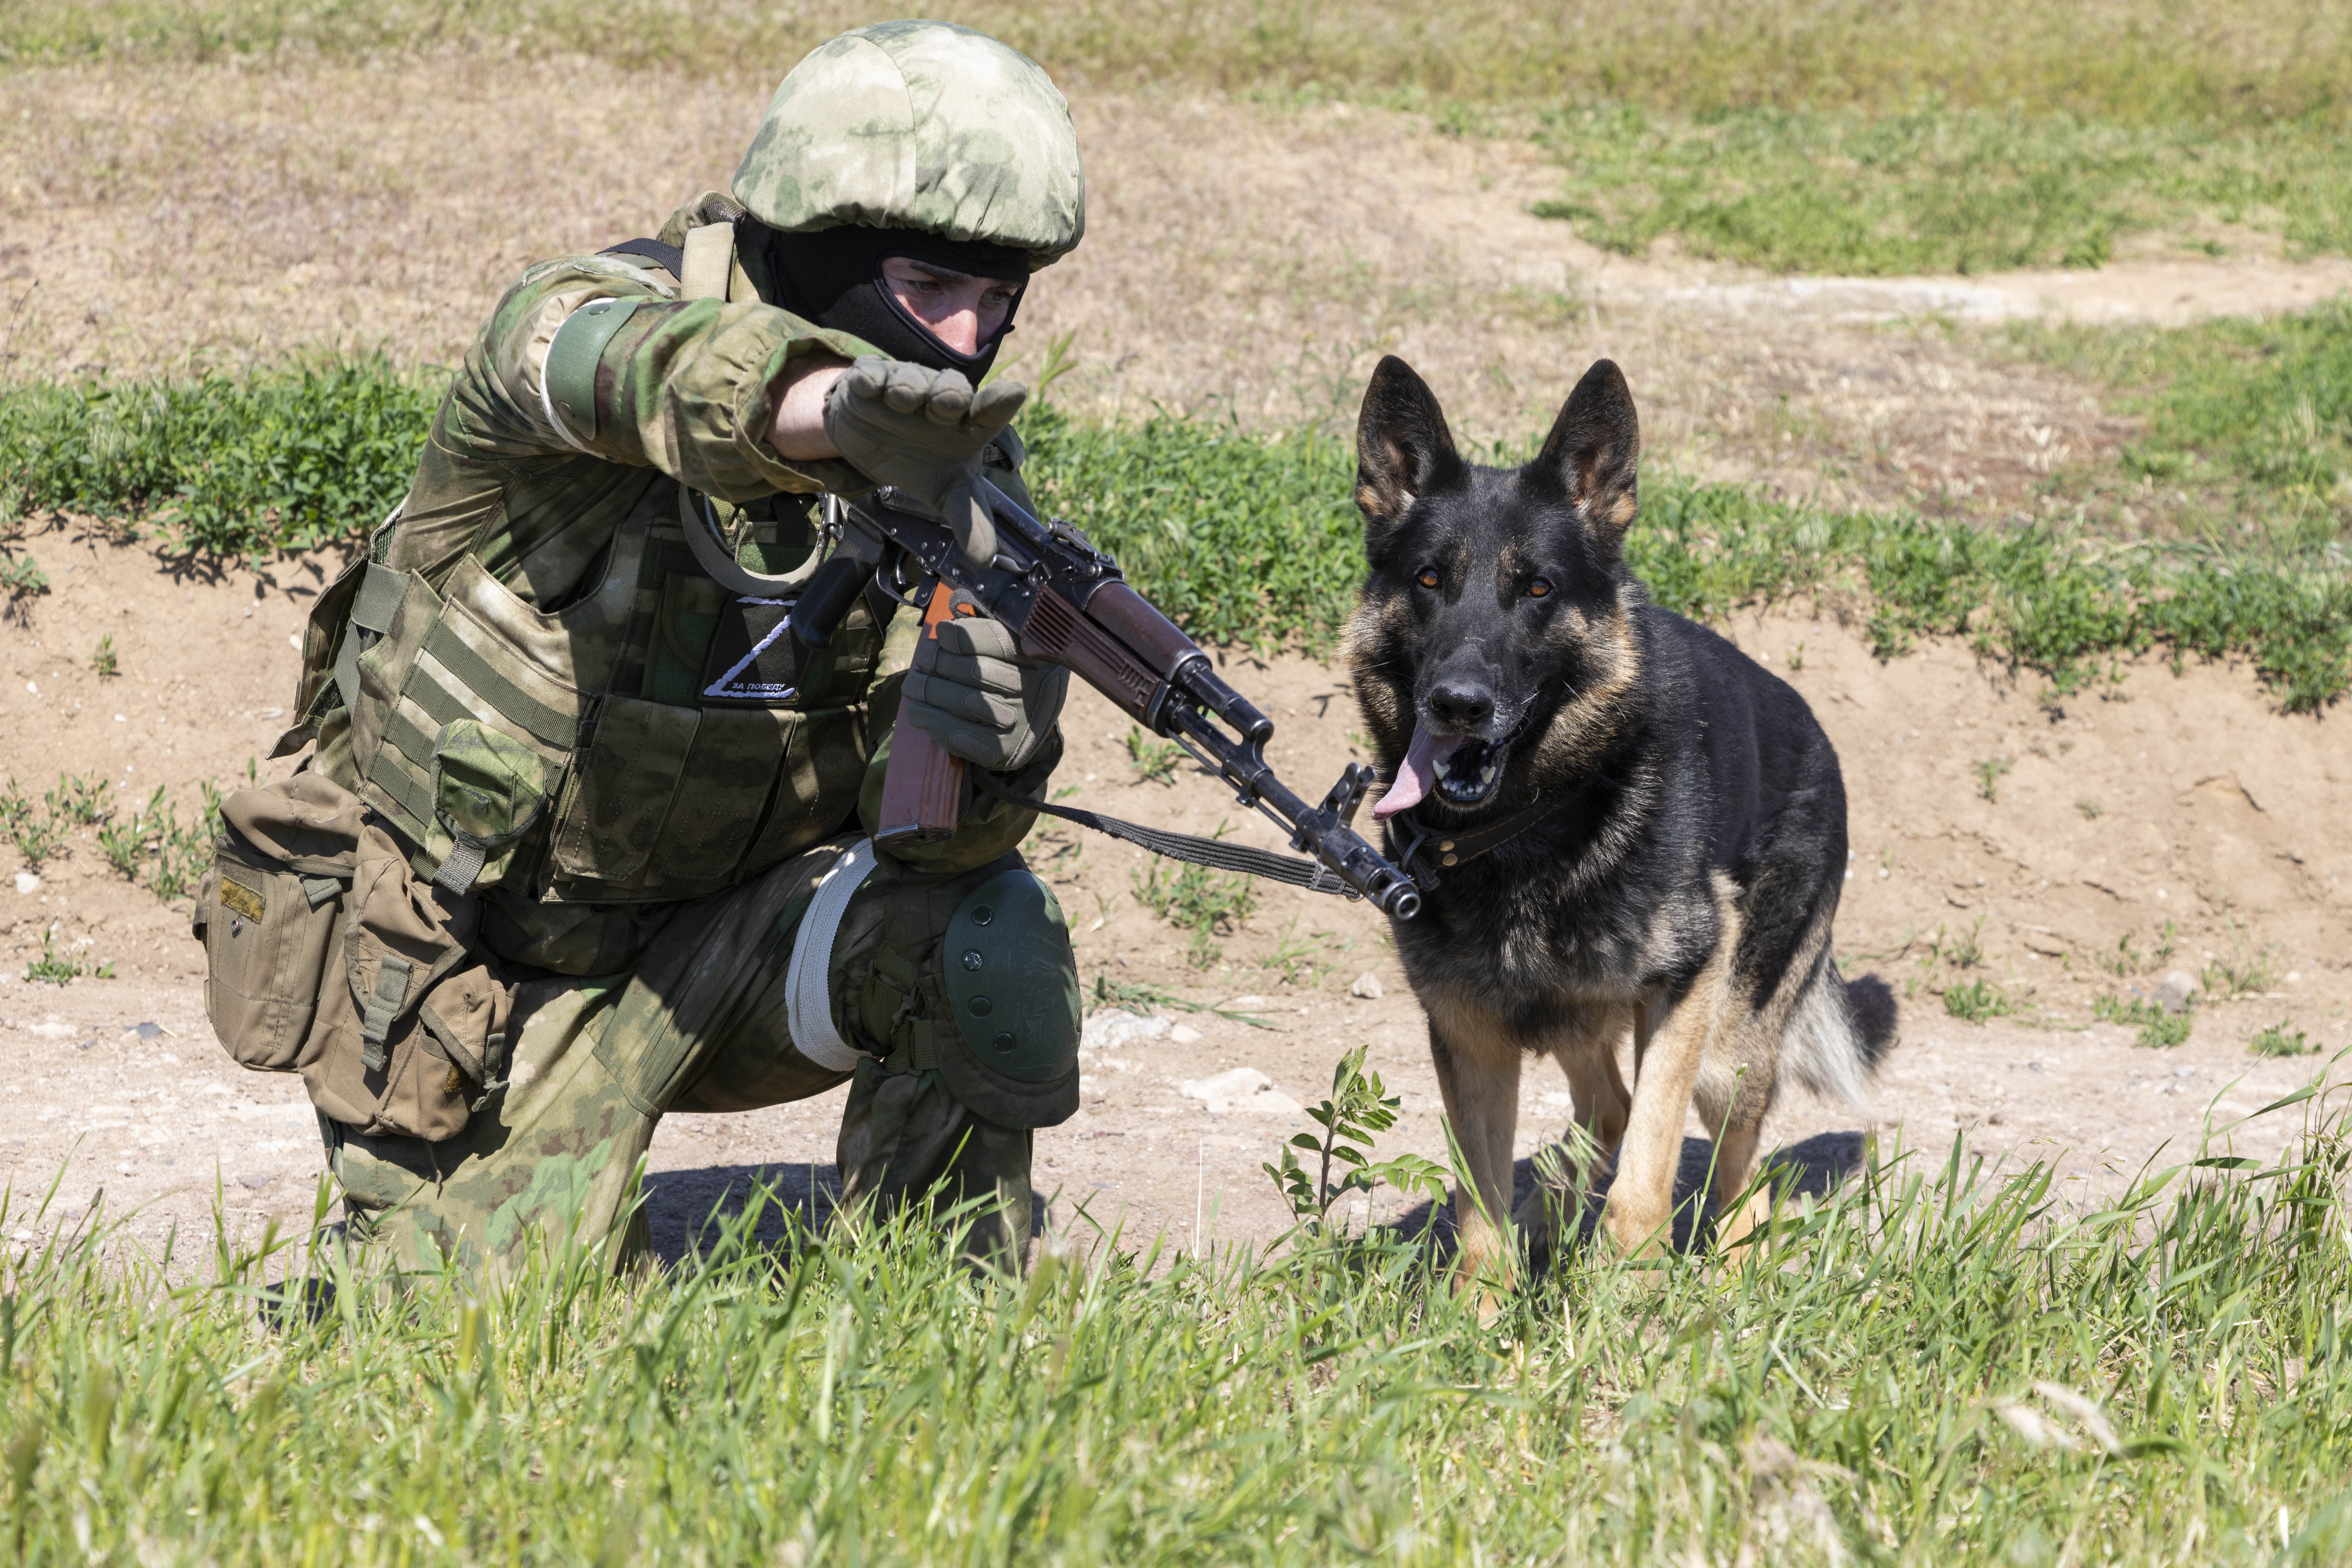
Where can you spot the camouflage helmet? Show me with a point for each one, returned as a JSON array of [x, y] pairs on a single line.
[[921, 125]]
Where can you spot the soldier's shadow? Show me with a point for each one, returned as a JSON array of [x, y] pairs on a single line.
[[691, 1211], [1811, 1167], [687, 1212]]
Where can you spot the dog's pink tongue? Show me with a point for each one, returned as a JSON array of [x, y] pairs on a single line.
[[1417, 775]]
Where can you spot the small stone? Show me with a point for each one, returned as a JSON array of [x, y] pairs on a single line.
[[1246, 1002], [2177, 991], [1240, 1088], [255, 1182], [1184, 1035], [1116, 1026], [2184, 1072], [27, 883], [1366, 987]]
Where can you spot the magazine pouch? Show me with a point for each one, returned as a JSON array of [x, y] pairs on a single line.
[[412, 1028]]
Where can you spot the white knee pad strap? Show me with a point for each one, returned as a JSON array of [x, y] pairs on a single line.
[[808, 998]]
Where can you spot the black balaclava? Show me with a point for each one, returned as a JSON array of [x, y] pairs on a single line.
[[834, 277]]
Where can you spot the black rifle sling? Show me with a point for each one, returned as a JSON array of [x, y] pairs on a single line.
[[1186, 846]]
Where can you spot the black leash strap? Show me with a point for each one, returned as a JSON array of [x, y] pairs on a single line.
[[1189, 847]]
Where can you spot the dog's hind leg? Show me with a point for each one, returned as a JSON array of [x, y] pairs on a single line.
[[1589, 1060], [1733, 1098], [1478, 1062], [1585, 1046]]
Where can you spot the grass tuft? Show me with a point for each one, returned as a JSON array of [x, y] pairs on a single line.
[[2279, 1040], [2158, 1030]]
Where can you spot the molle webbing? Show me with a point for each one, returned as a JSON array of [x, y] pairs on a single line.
[[381, 590], [383, 1007], [512, 702], [447, 679]]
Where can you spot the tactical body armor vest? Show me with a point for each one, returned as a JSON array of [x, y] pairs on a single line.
[[654, 739]]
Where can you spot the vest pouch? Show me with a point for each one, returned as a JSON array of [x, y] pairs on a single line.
[[489, 790], [268, 913], [412, 1028]]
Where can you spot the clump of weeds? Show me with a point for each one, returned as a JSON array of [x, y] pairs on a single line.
[[2158, 1030], [2278, 1040]]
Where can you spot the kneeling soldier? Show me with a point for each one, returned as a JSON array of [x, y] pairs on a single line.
[[586, 836]]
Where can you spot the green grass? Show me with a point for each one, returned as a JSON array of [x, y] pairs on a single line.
[[286, 459], [2258, 407], [1976, 1000], [1934, 189], [1251, 538], [55, 968], [2280, 1040], [147, 844], [1205, 903], [2140, 61], [2158, 1030], [1934, 1365]]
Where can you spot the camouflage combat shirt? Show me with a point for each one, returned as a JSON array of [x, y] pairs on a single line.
[[534, 593]]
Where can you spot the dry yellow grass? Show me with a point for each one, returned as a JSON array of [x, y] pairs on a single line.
[[2149, 61]]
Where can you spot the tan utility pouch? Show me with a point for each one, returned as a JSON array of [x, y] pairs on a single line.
[[412, 1028], [266, 914], [329, 956]]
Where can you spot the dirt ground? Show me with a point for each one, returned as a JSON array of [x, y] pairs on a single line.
[[1238, 259], [2215, 824]]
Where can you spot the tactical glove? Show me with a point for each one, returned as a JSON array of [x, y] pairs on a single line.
[[979, 698], [921, 431]]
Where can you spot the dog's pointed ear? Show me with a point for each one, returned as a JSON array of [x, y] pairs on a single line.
[[1593, 455], [1403, 449]]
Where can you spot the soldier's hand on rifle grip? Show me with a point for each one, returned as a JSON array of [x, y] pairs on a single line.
[[921, 431], [970, 688]]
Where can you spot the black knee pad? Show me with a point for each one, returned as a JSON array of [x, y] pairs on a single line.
[[972, 977]]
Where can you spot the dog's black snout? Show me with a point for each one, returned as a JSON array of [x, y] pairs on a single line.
[[1461, 704]]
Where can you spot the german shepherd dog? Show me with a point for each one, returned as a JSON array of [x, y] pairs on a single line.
[[1621, 822]]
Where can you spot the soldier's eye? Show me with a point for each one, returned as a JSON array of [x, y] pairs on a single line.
[[1539, 588], [1427, 577]]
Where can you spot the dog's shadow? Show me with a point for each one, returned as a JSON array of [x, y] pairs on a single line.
[[1810, 1168]]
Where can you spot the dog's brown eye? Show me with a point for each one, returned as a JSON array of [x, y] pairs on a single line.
[[1428, 577], [1538, 589]]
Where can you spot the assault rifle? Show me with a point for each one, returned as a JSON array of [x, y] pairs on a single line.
[[1068, 603]]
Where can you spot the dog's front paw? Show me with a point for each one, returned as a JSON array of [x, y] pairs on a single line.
[[1635, 1230]]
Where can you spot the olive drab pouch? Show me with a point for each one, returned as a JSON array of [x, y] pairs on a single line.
[[266, 914], [489, 789], [412, 1028]]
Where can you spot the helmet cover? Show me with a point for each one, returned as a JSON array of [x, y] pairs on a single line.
[[920, 125]]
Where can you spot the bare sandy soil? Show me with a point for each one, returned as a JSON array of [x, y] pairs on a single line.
[[1238, 259], [2216, 822]]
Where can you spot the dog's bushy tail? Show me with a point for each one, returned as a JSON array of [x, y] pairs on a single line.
[[1834, 1041]]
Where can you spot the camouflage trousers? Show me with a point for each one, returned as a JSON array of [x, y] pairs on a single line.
[[699, 1025]]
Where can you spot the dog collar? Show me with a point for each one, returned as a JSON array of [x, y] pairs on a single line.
[[1425, 850]]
